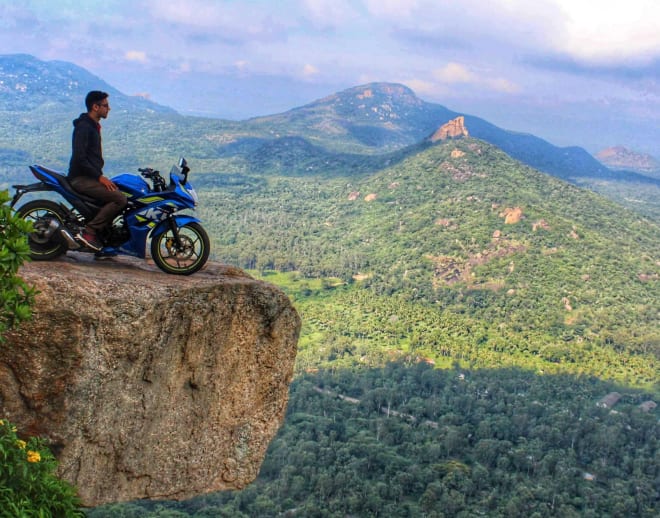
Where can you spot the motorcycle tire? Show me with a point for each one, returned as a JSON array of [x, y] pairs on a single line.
[[187, 259], [44, 243]]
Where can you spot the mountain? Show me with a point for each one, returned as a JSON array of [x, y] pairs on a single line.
[[369, 119], [620, 158], [380, 117], [458, 236], [27, 83], [534, 296], [359, 129], [351, 186]]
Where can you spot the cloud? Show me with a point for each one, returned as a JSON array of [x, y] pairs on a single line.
[[138, 56], [597, 33], [503, 85], [455, 73], [329, 14], [212, 22], [309, 71], [394, 9], [425, 88], [610, 31]]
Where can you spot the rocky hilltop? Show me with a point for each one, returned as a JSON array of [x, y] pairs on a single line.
[[455, 128], [619, 157], [149, 385]]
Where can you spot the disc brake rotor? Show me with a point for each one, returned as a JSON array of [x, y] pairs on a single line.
[[42, 229], [184, 252]]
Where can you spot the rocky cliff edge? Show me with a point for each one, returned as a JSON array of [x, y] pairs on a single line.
[[149, 385]]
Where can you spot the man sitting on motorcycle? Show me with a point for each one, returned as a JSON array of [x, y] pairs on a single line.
[[86, 168]]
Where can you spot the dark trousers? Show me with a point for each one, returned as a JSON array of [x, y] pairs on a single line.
[[115, 201]]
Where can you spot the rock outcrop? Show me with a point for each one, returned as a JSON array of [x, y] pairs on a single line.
[[149, 385], [453, 129], [618, 158]]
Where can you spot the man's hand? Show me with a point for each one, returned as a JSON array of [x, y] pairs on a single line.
[[109, 184]]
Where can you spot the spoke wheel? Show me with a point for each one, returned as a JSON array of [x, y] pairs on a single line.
[[187, 257]]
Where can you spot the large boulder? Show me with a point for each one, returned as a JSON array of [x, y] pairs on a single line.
[[150, 385]]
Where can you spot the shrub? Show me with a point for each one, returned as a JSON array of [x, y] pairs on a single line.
[[28, 485], [15, 295]]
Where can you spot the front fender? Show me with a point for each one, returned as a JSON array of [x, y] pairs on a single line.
[[180, 220]]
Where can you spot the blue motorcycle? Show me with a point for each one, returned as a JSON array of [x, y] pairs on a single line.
[[179, 243]]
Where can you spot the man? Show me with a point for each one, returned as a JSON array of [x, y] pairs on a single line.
[[86, 168]]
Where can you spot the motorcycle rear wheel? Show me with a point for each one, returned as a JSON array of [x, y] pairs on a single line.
[[45, 242], [185, 259]]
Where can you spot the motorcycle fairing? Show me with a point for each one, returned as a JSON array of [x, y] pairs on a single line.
[[150, 220], [131, 185]]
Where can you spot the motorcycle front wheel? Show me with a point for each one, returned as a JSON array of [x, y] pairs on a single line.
[[184, 258], [47, 217]]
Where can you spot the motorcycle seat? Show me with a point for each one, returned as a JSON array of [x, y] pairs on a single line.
[[64, 182]]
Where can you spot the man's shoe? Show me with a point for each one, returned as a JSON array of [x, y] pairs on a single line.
[[90, 240], [106, 253]]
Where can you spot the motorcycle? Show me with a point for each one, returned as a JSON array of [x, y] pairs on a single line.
[[179, 243]]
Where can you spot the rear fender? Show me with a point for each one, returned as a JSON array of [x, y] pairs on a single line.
[[25, 189]]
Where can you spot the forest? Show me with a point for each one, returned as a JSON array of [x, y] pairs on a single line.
[[411, 440]]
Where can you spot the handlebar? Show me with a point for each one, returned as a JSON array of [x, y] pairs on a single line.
[[148, 172], [159, 184]]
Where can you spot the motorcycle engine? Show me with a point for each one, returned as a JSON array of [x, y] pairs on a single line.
[[118, 234]]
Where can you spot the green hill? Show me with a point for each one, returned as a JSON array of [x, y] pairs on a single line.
[[457, 253]]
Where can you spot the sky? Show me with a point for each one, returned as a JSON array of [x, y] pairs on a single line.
[[574, 72]]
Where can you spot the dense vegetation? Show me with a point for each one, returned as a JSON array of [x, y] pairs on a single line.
[[431, 265], [29, 487], [410, 440], [15, 295]]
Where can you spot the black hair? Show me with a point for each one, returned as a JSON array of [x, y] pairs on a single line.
[[94, 97]]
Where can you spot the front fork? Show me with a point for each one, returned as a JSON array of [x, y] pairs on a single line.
[[171, 223], [174, 223]]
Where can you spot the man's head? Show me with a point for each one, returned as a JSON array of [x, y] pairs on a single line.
[[97, 104]]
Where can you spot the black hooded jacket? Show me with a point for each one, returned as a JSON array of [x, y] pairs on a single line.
[[87, 155]]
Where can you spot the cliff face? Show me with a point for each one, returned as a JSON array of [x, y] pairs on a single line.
[[150, 385]]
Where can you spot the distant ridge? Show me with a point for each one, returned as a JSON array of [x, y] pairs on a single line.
[[27, 83], [380, 117], [351, 132], [374, 118], [619, 157]]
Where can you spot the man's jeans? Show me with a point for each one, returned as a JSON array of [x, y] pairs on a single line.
[[115, 201]]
